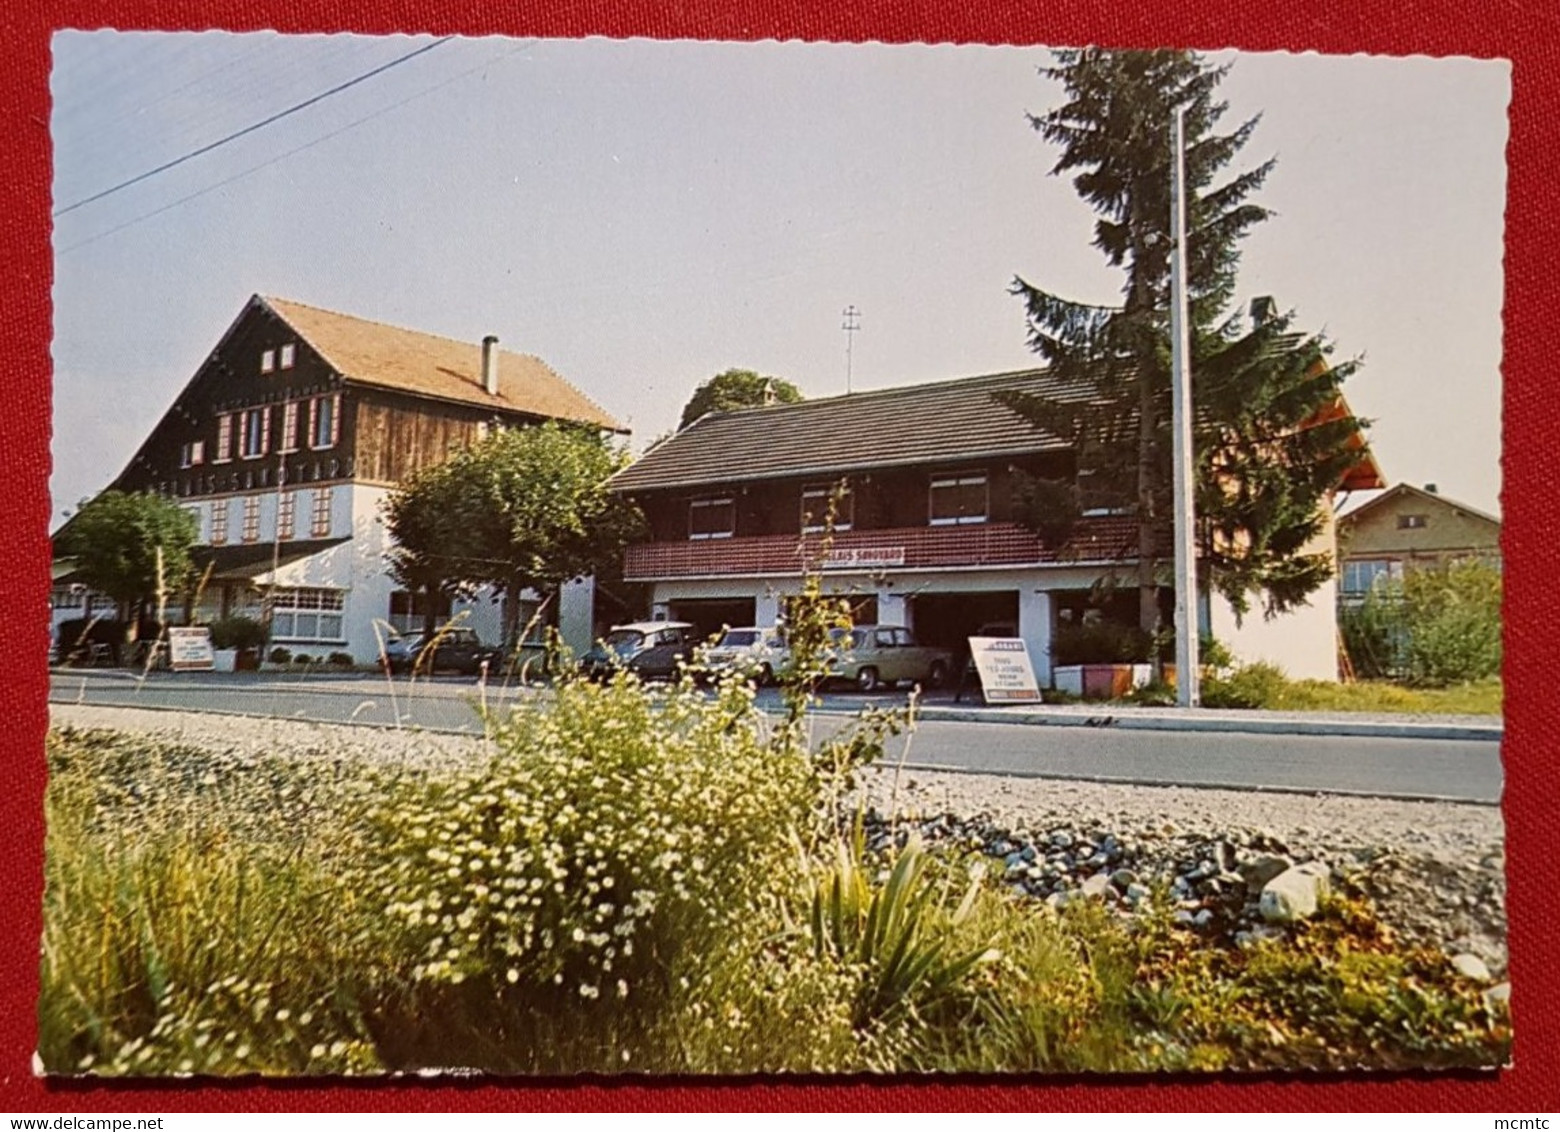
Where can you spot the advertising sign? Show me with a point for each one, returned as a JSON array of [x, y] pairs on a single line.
[[189, 649], [1006, 676]]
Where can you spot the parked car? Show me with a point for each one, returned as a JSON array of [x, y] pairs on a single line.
[[649, 649], [759, 654], [458, 649], [872, 656]]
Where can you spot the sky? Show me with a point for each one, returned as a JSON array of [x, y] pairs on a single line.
[[643, 215]]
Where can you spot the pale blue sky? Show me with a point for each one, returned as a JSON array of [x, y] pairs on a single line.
[[643, 215]]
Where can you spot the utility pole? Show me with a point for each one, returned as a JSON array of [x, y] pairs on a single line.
[[1187, 693], [851, 324]]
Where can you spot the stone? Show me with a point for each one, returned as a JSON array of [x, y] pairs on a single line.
[[1123, 878], [1470, 966], [1499, 993], [1257, 871], [1184, 918], [1294, 893], [1137, 893], [1096, 885], [1062, 839], [1203, 919]]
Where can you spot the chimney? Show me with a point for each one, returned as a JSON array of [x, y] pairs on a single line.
[[1263, 310], [1431, 489], [490, 364]]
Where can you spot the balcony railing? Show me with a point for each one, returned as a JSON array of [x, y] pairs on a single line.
[[907, 548]]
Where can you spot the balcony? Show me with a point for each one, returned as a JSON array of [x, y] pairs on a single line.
[[898, 548]]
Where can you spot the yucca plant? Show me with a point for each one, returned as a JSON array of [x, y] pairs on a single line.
[[896, 935]]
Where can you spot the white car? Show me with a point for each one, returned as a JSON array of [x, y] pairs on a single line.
[[758, 653]]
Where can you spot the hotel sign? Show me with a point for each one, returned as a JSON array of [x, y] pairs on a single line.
[[863, 557]]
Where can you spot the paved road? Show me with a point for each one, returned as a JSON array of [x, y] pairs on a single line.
[[1450, 768]]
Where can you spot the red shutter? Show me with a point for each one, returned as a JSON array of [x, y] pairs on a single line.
[[265, 430], [335, 419]]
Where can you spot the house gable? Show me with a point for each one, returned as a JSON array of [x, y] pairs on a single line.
[[1409, 523]]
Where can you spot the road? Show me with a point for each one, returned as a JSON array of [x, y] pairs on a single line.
[[1453, 768]]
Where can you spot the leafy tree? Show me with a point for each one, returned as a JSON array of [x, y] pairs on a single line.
[[115, 540], [424, 517], [1271, 441], [525, 508], [737, 389]]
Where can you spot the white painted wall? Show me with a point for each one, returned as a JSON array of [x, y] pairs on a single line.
[[1303, 642]]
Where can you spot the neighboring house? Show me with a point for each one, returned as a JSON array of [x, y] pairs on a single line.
[[1407, 527], [926, 535], [287, 440]]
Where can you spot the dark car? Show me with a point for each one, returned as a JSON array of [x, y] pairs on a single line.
[[649, 649], [460, 650]]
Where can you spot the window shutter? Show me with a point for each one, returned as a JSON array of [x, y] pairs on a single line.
[[335, 419], [265, 430]]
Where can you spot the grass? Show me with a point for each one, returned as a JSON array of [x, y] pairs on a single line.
[[621, 891], [1482, 697]]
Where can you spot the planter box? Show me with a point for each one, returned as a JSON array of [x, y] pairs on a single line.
[[247, 660], [225, 660], [1101, 681]]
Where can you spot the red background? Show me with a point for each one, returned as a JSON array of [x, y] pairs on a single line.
[[1525, 31]]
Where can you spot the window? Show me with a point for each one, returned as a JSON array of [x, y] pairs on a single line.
[[251, 529], [958, 498], [1413, 522], [224, 439], [287, 355], [192, 453], [306, 614], [320, 527], [194, 513], [712, 518], [267, 361], [286, 512], [1363, 575], [68, 597], [257, 432], [289, 427], [815, 507], [219, 522], [327, 425]]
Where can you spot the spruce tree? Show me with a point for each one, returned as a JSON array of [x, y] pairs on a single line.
[[1267, 455]]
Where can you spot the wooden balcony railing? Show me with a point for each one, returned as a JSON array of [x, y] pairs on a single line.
[[908, 548]]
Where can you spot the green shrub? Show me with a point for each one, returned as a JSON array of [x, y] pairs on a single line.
[[1438, 625], [1258, 685], [341, 659], [1100, 642], [619, 847], [280, 655], [302, 658], [238, 633], [1453, 623]]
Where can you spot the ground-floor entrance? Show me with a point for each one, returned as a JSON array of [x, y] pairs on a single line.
[[709, 615], [948, 620]]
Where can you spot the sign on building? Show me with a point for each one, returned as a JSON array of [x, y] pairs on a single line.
[[189, 649], [863, 557], [1006, 676]]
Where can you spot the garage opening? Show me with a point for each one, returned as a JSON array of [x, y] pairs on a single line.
[[948, 620], [710, 615]]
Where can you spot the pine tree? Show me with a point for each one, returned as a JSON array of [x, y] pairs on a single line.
[[1267, 456]]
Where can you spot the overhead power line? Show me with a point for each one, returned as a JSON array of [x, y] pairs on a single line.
[[163, 168], [266, 164]]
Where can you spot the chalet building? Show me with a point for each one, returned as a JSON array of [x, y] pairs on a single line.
[[1408, 527], [286, 442], [926, 530]]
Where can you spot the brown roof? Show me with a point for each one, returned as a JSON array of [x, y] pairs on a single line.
[[940, 421], [1401, 490], [427, 365]]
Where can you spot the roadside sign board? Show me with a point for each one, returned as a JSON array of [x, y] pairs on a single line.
[[189, 649], [1006, 676]]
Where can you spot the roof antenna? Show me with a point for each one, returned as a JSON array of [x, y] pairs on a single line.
[[851, 324]]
